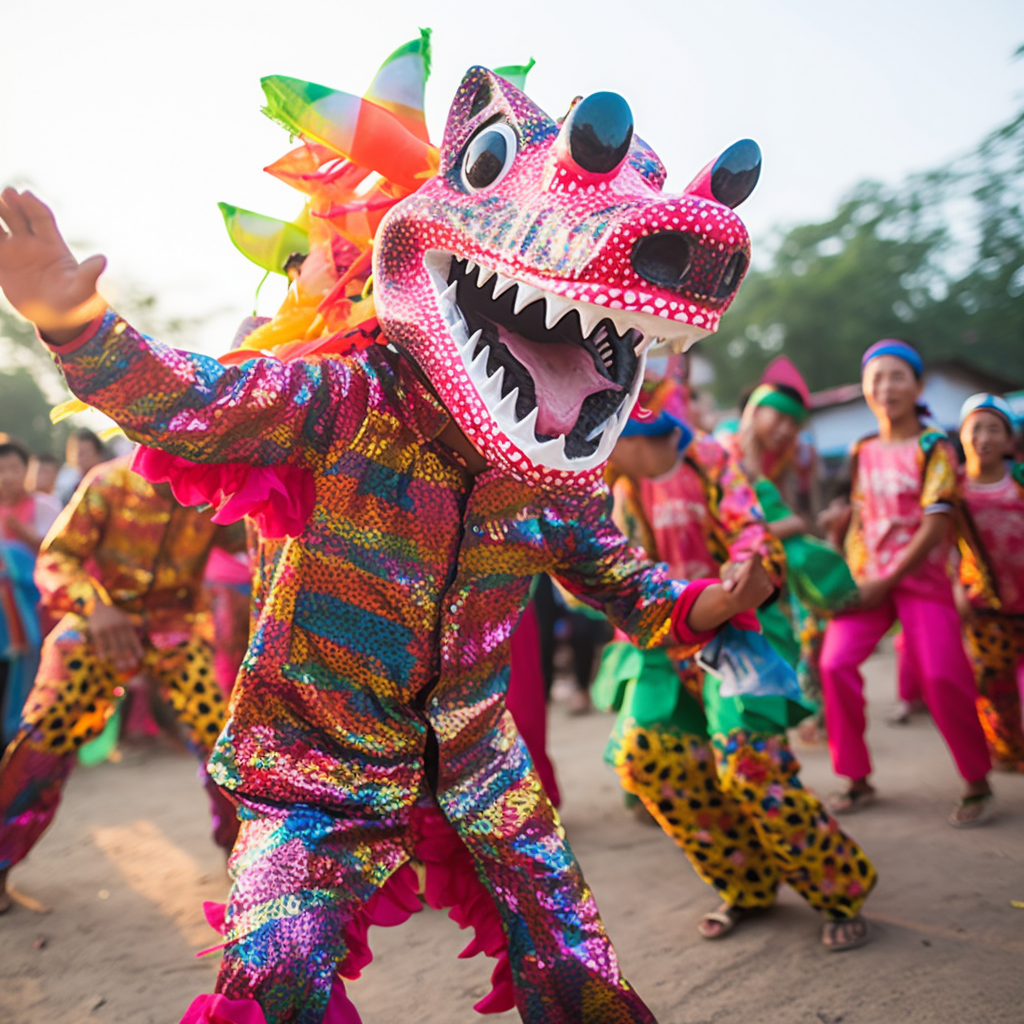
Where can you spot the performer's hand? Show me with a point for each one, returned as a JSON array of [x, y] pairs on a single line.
[[40, 277], [747, 584], [116, 638]]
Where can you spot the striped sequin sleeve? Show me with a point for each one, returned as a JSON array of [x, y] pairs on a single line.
[[261, 412], [596, 563]]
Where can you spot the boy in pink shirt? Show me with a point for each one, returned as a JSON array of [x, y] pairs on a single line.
[[904, 494], [992, 572]]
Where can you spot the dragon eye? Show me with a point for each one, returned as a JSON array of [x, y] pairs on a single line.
[[488, 156]]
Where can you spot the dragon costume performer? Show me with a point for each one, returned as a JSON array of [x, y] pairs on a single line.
[[518, 274]]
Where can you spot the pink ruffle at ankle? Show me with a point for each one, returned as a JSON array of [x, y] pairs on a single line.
[[450, 883], [279, 498]]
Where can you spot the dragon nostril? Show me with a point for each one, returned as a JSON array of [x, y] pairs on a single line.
[[662, 258], [734, 271], [600, 129], [736, 172]]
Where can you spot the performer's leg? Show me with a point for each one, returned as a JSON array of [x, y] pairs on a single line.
[[301, 878], [187, 681], [995, 644], [73, 696], [810, 850], [932, 636], [849, 639], [674, 775], [563, 965]]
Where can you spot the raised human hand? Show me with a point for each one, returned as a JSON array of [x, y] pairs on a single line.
[[39, 275]]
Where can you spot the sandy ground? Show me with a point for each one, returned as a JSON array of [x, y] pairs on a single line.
[[128, 863]]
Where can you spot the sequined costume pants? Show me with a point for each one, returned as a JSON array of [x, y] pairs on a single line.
[[736, 807], [73, 696], [995, 644], [305, 878]]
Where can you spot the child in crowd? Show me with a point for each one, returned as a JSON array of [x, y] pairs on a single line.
[[749, 825], [992, 572], [904, 496], [24, 516]]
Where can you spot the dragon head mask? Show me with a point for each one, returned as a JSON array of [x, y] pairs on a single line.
[[529, 276]]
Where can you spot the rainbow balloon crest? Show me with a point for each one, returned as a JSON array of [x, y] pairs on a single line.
[[359, 156]]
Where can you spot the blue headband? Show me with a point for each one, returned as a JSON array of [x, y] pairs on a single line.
[[899, 349], [992, 403], [658, 426]]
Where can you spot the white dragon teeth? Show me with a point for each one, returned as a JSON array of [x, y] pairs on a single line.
[[478, 367], [448, 295], [524, 432], [490, 391], [484, 274], [555, 307], [600, 428], [590, 317], [525, 294], [507, 406], [502, 284], [471, 344], [549, 451]]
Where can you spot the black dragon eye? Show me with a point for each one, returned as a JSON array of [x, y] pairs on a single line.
[[488, 156]]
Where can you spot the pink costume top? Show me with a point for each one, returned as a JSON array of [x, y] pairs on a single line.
[[895, 484], [703, 512], [35, 512], [997, 512]]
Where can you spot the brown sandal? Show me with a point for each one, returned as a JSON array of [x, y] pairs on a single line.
[[857, 934]]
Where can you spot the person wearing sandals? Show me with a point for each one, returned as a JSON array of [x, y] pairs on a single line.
[[991, 594], [715, 773], [904, 498]]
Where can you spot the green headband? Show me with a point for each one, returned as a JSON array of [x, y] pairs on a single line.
[[765, 394]]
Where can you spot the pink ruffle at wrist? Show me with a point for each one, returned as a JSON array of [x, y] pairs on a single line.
[[682, 632]]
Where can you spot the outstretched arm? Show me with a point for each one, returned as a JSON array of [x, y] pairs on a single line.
[[260, 412], [595, 562]]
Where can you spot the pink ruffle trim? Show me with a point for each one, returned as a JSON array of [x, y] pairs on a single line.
[[220, 1010], [451, 883], [279, 498]]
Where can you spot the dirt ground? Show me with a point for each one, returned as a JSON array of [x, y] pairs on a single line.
[[128, 863]]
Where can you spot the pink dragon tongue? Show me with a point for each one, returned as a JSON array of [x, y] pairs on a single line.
[[564, 376]]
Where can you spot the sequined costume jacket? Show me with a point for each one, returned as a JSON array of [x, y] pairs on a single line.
[[121, 538], [386, 626]]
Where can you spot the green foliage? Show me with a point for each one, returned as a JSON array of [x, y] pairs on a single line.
[[937, 261], [29, 386], [25, 412]]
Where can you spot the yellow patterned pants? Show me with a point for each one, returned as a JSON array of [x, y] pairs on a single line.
[[73, 697], [737, 809], [995, 644]]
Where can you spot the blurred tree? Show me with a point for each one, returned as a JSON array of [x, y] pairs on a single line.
[[937, 261], [29, 386]]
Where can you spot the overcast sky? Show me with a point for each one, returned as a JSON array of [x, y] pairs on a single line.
[[133, 120]]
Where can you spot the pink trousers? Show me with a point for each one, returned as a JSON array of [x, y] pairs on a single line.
[[932, 643]]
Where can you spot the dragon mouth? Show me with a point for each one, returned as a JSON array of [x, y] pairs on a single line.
[[559, 377]]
